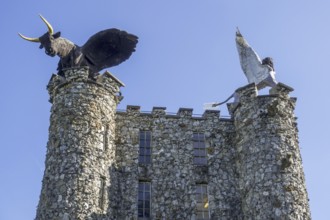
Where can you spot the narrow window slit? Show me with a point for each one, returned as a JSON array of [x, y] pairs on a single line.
[[102, 193]]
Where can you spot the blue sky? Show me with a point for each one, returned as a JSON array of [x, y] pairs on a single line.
[[186, 56]]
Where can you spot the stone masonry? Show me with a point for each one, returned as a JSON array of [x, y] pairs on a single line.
[[80, 149], [271, 178], [253, 170], [172, 172]]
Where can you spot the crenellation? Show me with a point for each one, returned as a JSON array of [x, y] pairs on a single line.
[[158, 111], [211, 114], [185, 112], [247, 92], [133, 109], [282, 89]]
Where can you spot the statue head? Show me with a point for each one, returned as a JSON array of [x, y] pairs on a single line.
[[47, 41], [268, 61]]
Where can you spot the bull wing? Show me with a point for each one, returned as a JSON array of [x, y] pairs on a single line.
[[109, 48]]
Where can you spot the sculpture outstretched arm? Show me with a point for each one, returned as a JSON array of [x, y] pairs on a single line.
[[256, 71], [249, 59]]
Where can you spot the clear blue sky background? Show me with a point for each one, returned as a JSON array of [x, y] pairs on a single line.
[[186, 57]]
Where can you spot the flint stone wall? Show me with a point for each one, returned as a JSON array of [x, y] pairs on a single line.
[[80, 149], [254, 168], [271, 177], [172, 173]]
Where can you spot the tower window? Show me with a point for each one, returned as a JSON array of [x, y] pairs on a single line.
[[145, 147], [202, 202], [102, 193], [200, 154], [105, 137], [144, 198]]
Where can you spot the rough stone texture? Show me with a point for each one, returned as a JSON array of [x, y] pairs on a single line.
[[271, 178], [172, 174], [80, 149], [254, 169]]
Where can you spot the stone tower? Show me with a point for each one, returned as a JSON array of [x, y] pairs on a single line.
[[80, 149], [271, 178]]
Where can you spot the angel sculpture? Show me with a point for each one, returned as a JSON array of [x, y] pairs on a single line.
[[260, 72]]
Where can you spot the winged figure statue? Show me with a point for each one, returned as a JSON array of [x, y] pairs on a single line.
[[260, 72], [104, 49]]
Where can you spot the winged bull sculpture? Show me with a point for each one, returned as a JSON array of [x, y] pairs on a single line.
[[104, 49]]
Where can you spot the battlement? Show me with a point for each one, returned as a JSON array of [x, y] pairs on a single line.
[[245, 95], [249, 92], [181, 113]]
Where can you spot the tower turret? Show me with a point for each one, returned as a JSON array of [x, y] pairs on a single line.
[[271, 178], [80, 148]]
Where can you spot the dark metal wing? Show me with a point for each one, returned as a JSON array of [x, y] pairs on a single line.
[[108, 48]]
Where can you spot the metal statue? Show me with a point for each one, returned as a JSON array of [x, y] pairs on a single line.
[[104, 49], [260, 72]]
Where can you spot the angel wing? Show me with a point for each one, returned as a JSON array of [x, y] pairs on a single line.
[[256, 72], [108, 48]]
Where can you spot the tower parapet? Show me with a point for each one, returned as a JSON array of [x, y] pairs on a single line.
[[271, 178], [81, 146]]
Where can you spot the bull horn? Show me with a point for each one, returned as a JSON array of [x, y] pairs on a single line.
[[50, 31], [50, 28], [29, 38]]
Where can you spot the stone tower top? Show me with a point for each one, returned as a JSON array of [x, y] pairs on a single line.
[[250, 91], [80, 74]]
